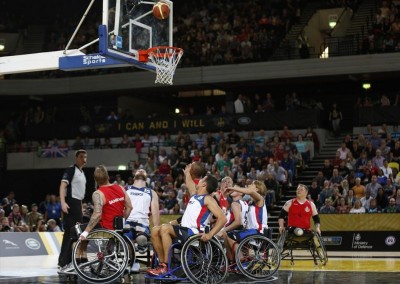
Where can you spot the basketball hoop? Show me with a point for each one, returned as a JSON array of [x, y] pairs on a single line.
[[165, 58]]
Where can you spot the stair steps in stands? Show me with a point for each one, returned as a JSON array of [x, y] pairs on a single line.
[[327, 151]]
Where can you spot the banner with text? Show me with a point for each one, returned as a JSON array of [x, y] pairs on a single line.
[[214, 123], [173, 124], [362, 241]]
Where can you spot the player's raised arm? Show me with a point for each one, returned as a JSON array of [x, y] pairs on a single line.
[[189, 180], [252, 191]]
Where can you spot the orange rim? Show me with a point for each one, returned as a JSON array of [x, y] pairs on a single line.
[[162, 51]]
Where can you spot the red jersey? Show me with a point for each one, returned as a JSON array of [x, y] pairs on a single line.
[[114, 205], [300, 214], [223, 202]]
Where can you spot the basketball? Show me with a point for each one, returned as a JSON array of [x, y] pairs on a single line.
[[298, 232], [197, 170], [161, 10]]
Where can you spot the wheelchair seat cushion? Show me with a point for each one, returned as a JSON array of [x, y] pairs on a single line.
[[239, 235], [182, 233], [137, 229], [306, 237]]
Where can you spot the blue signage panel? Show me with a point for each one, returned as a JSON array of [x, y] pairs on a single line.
[[89, 61]]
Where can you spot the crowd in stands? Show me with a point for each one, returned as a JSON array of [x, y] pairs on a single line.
[[363, 177], [46, 216], [216, 32], [274, 160], [384, 35], [14, 125], [210, 32], [384, 99]]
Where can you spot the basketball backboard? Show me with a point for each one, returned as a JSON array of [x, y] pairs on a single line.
[[131, 27], [129, 35]]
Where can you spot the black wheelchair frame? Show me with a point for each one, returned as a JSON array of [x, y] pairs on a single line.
[[110, 254], [197, 261], [310, 240]]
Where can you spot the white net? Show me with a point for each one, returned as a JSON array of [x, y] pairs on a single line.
[[166, 59]]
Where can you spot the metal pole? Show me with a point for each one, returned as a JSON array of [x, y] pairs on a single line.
[[78, 27]]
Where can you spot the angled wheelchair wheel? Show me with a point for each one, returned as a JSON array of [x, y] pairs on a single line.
[[107, 253], [204, 262], [258, 257], [320, 249], [131, 250], [281, 241]]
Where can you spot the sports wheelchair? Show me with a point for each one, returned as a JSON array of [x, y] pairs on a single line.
[[110, 254], [256, 256], [309, 240], [195, 260]]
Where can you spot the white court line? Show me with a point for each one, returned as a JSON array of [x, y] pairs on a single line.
[[32, 266]]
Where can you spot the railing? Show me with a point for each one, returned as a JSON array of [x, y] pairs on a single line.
[[342, 46], [377, 115], [339, 20]]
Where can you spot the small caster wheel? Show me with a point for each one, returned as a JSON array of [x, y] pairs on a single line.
[[123, 280]]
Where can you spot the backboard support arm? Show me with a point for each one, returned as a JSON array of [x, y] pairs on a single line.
[[79, 26]]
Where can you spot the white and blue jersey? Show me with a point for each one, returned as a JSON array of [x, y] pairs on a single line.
[[197, 215], [257, 217], [244, 208], [141, 204]]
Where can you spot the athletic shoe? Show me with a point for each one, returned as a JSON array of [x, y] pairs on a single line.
[[161, 269], [233, 268], [135, 267], [69, 268]]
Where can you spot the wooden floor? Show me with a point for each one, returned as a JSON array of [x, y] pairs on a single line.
[[346, 269]]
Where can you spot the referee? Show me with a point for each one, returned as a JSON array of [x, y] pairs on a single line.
[[72, 192]]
